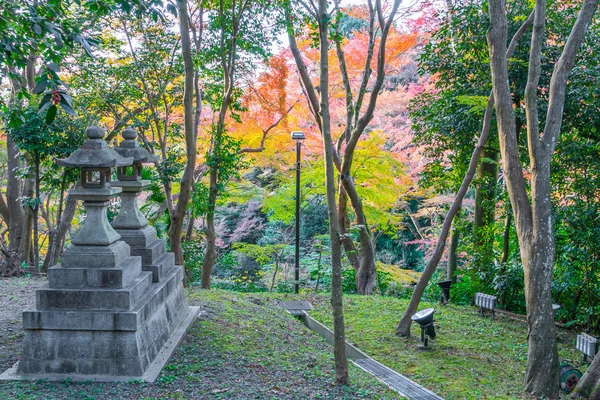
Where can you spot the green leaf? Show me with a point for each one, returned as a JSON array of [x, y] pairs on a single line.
[[51, 114], [45, 101], [69, 110], [37, 29], [53, 67], [41, 85]]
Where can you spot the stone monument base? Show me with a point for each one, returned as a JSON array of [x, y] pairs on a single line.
[[106, 345]]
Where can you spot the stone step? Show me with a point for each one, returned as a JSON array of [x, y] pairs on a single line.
[[162, 266], [94, 298], [169, 289], [95, 256], [151, 253], [118, 277]]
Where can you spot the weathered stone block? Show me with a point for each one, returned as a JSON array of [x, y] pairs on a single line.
[[117, 277], [162, 266], [151, 253], [95, 256], [93, 298], [138, 237]]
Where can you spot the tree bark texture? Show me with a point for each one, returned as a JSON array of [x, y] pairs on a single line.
[[187, 180], [533, 221], [589, 385], [452, 253], [403, 328], [485, 205], [339, 343], [60, 234]]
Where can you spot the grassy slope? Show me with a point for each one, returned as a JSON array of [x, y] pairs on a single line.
[[472, 357], [238, 350]]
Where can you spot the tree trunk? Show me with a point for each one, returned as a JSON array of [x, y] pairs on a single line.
[[506, 237], [347, 242], [403, 328], [485, 205], [25, 246], [36, 212], [13, 194], [339, 342], [62, 229], [211, 236], [191, 134], [452, 253], [274, 275], [533, 221], [589, 385]]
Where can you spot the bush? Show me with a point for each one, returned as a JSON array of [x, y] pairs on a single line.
[[239, 285]]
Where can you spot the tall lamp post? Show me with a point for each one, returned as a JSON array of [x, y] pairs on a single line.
[[298, 136]]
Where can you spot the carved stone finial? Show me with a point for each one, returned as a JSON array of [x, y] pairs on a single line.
[[129, 134], [95, 132]]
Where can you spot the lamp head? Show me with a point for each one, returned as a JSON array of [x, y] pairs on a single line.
[[298, 135]]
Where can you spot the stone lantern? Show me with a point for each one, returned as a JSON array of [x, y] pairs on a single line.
[[101, 317], [130, 223]]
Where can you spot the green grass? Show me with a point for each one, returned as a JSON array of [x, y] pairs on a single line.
[[471, 358], [242, 347]]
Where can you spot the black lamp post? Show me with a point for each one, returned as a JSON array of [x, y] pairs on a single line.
[[298, 136]]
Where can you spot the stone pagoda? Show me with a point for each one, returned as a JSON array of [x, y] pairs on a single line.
[[114, 308]]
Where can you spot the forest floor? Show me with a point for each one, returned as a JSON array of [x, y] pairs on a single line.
[[471, 358], [242, 347]]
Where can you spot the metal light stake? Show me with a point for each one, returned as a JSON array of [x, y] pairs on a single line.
[[298, 136]]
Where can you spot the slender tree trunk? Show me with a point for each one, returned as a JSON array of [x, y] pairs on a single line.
[[274, 275], [187, 180], [403, 328], [13, 193], [62, 228], [347, 242], [485, 205], [452, 253], [339, 343], [318, 271], [25, 247], [36, 212], [211, 236], [190, 227], [506, 237]]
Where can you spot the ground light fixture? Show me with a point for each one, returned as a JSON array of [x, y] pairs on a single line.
[[298, 136], [445, 286], [425, 320]]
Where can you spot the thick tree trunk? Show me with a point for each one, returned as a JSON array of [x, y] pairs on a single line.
[[533, 221], [589, 385]]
